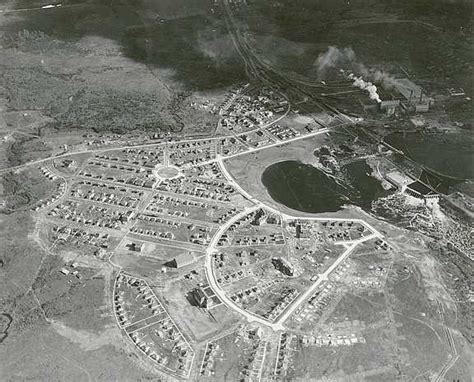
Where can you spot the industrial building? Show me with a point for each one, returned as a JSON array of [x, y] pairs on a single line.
[[399, 180], [413, 94], [389, 107], [405, 95]]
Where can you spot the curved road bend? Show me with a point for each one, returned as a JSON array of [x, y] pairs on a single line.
[[211, 276]]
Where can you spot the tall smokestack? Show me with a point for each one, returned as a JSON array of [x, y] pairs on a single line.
[[421, 97], [409, 99]]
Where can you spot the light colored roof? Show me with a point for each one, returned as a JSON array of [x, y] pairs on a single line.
[[398, 178], [184, 258]]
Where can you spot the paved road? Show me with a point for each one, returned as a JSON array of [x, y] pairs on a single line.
[[321, 278], [238, 188], [279, 143], [212, 248], [211, 277], [277, 325], [123, 147], [100, 150]]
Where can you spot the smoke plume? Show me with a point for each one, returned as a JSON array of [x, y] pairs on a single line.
[[332, 58], [384, 79], [345, 58], [378, 76], [369, 87]]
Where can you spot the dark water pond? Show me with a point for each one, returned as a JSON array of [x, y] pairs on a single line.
[[305, 188], [363, 189], [450, 155]]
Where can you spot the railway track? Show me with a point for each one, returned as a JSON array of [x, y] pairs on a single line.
[[274, 77]]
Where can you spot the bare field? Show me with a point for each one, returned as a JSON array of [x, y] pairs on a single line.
[[58, 354], [20, 257], [360, 306], [342, 361]]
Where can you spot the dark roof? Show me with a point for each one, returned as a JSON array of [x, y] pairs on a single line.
[[420, 188]]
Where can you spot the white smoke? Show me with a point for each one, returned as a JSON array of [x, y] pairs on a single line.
[[380, 77], [384, 79], [365, 85], [346, 58], [333, 57]]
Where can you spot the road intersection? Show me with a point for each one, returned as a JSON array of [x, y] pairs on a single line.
[[278, 323], [212, 249]]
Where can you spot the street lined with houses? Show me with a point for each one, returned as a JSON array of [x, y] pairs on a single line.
[[219, 248]]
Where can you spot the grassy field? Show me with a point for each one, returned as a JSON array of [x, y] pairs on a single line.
[[332, 362]]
